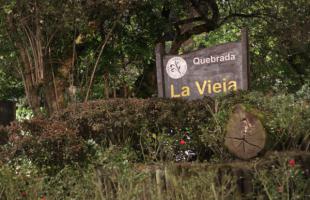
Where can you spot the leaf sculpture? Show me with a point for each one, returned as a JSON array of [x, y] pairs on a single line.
[[246, 136]]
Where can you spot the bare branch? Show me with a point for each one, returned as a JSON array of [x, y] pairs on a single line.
[[98, 59]]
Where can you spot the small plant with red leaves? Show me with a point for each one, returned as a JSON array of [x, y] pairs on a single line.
[[292, 163]]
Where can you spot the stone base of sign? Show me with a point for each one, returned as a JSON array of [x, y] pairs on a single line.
[[246, 136]]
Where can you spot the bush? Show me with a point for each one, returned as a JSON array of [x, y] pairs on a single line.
[[151, 126], [49, 144], [156, 129], [96, 150]]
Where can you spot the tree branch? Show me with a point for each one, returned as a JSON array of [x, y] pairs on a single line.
[[188, 21], [98, 59], [240, 15], [203, 8], [180, 39]]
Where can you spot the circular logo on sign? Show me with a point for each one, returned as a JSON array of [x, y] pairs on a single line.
[[176, 67]]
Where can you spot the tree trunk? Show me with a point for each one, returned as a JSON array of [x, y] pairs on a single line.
[[51, 93], [246, 136], [32, 88], [106, 85], [114, 92], [126, 91], [34, 100], [56, 86], [41, 84]]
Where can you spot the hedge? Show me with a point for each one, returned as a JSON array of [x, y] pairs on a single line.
[[154, 129]]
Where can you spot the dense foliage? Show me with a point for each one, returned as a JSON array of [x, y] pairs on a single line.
[[60, 59], [276, 176], [102, 49], [154, 129]]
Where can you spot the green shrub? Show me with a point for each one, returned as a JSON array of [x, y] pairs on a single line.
[[155, 129], [278, 176], [151, 126], [285, 179], [49, 144]]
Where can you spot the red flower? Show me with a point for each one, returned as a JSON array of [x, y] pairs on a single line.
[[280, 189], [24, 194], [292, 162], [43, 198], [182, 142]]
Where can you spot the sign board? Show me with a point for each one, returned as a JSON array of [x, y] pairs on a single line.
[[205, 72]]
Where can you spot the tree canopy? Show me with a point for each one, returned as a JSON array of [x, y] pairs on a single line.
[[62, 51]]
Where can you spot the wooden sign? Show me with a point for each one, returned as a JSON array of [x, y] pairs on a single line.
[[206, 72]]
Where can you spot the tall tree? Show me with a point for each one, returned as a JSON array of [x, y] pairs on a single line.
[[42, 35], [53, 45], [178, 21]]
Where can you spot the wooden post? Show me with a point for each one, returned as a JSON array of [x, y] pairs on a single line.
[[160, 184], [160, 52], [245, 58]]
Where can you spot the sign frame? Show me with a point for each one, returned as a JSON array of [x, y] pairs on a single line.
[[161, 69]]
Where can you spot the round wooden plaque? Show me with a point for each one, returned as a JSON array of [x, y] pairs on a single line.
[[246, 136]]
